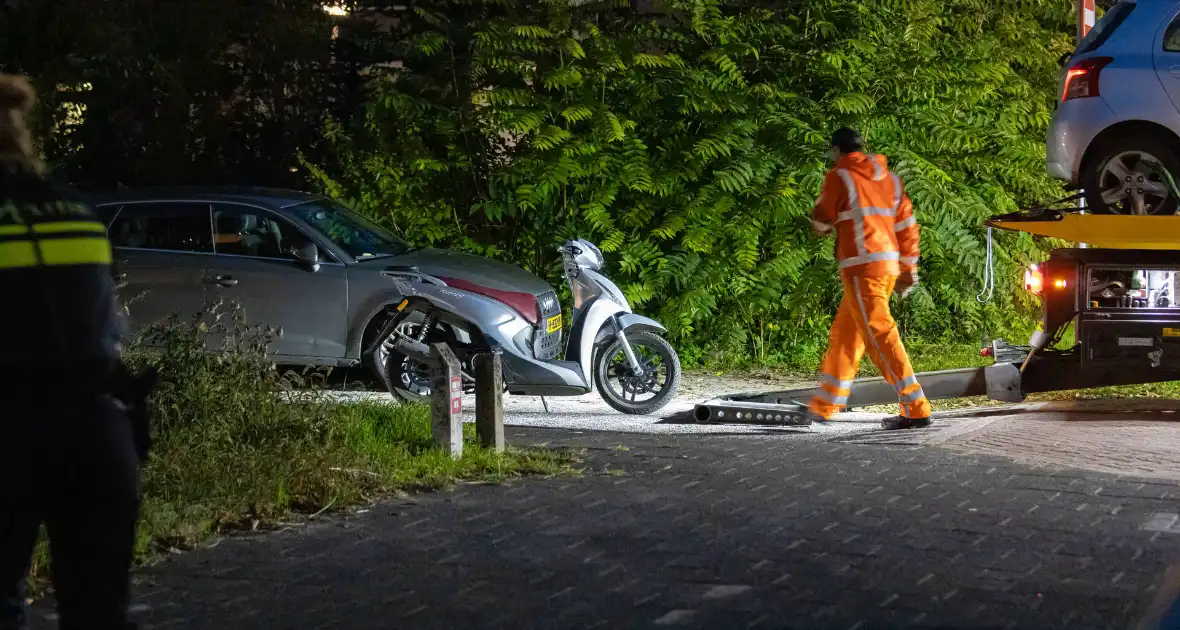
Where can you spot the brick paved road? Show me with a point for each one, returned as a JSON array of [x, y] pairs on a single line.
[[705, 532], [1120, 436]]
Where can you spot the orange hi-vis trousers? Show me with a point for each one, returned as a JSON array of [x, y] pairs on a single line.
[[863, 322]]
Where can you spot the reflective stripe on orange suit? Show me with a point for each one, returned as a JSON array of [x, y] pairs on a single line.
[[876, 240]]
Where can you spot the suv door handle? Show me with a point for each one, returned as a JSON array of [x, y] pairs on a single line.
[[1175, 71], [224, 281]]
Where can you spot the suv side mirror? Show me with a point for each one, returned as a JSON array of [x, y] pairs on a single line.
[[308, 255]]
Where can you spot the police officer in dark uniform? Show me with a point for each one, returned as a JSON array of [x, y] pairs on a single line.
[[68, 455]]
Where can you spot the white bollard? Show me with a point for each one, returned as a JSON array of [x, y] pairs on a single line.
[[446, 399]]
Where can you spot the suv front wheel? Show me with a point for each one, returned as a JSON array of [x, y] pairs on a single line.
[[1125, 176]]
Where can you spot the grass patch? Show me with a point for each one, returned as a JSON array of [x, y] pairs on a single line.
[[194, 487], [232, 453]]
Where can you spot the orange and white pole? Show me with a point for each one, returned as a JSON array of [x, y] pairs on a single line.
[[1086, 17]]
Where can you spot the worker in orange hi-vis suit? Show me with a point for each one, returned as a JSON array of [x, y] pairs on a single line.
[[877, 251]]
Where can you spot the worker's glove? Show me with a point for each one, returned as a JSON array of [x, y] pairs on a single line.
[[906, 283], [821, 229]]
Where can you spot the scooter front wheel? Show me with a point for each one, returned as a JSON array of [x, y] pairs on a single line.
[[632, 393]]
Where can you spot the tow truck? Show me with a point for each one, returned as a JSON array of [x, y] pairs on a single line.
[[1117, 288], [1118, 294]]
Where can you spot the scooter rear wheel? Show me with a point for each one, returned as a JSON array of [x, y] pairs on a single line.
[[632, 393]]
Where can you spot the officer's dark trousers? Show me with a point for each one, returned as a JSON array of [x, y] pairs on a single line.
[[71, 465]]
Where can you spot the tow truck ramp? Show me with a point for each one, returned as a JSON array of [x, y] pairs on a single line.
[[789, 407]]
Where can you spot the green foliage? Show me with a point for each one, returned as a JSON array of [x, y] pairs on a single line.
[[229, 395], [684, 136], [689, 144]]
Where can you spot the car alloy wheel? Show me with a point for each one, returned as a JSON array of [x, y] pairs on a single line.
[[1130, 183]]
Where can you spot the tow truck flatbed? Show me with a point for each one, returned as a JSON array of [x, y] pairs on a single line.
[[1110, 231]]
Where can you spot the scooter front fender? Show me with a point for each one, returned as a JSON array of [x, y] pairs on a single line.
[[591, 324], [630, 322]]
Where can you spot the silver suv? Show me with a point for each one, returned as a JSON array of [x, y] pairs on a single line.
[[1117, 122], [297, 261]]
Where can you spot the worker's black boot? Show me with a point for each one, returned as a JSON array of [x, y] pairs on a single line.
[[902, 422], [920, 423], [815, 418]]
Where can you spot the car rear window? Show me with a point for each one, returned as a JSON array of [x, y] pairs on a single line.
[[1106, 26], [1172, 36]]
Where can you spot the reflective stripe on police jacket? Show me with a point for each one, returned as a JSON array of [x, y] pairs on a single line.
[[55, 273], [55, 262], [51, 235]]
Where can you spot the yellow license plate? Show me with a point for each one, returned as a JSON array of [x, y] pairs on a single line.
[[402, 306], [1172, 332], [554, 324]]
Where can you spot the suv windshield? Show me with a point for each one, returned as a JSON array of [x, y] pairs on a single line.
[[1105, 27], [357, 236]]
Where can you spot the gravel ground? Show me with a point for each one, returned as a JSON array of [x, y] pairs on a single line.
[[590, 413]]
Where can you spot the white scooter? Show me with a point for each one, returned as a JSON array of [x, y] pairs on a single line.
[[623, 355]]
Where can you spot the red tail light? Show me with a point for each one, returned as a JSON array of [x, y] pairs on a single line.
[[1081, 81], [1034, 281], [523, 303]]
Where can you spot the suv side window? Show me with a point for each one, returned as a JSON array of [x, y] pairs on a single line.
[[1172, 36], [247, 231], [179, 227]]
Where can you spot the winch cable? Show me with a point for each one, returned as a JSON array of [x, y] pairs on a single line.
[[989, 272], [1171, 182], [989, 262]]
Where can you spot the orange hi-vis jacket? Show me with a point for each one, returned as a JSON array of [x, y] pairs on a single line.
[[876, 233]]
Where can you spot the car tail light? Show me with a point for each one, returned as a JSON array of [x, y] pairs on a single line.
[[1034, 281], [1081, 80], [523, 303]]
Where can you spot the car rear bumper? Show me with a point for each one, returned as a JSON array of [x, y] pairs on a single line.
[[1075, 125]]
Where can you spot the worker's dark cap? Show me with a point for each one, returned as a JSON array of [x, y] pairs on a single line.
[[848, 140]]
